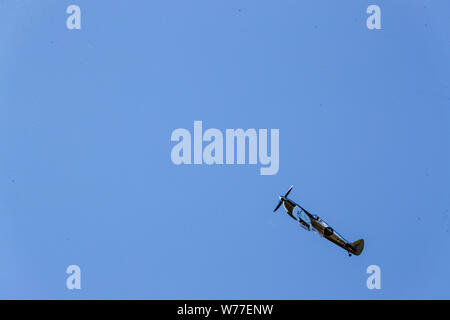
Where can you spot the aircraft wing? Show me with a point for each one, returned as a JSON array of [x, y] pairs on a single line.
[[304, 224], [290, 209]]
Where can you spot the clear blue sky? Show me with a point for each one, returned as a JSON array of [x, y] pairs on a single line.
[[85, 171]]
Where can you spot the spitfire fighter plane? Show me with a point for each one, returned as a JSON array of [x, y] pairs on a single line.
[[319, 225]]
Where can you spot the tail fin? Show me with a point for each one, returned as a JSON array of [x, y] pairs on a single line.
[[359, 246]]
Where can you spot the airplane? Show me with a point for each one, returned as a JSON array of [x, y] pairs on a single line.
[[319, 226]]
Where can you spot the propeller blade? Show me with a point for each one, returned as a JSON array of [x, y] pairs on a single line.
[[279, 204], [287, 193]]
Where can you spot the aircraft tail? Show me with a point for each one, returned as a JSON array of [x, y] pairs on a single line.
[[359, 246]]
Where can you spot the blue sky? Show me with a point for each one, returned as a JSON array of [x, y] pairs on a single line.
[[86, 176]]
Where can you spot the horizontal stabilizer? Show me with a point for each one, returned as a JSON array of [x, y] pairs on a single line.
[[359, 246]]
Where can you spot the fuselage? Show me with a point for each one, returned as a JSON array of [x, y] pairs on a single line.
[[323, 228], [327, 232]]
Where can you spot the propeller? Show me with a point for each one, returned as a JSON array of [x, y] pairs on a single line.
[[278, 205], [287, 193], [282, 199]]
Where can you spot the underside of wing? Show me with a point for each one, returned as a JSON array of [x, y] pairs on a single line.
[[304, 224], [289, 207]]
